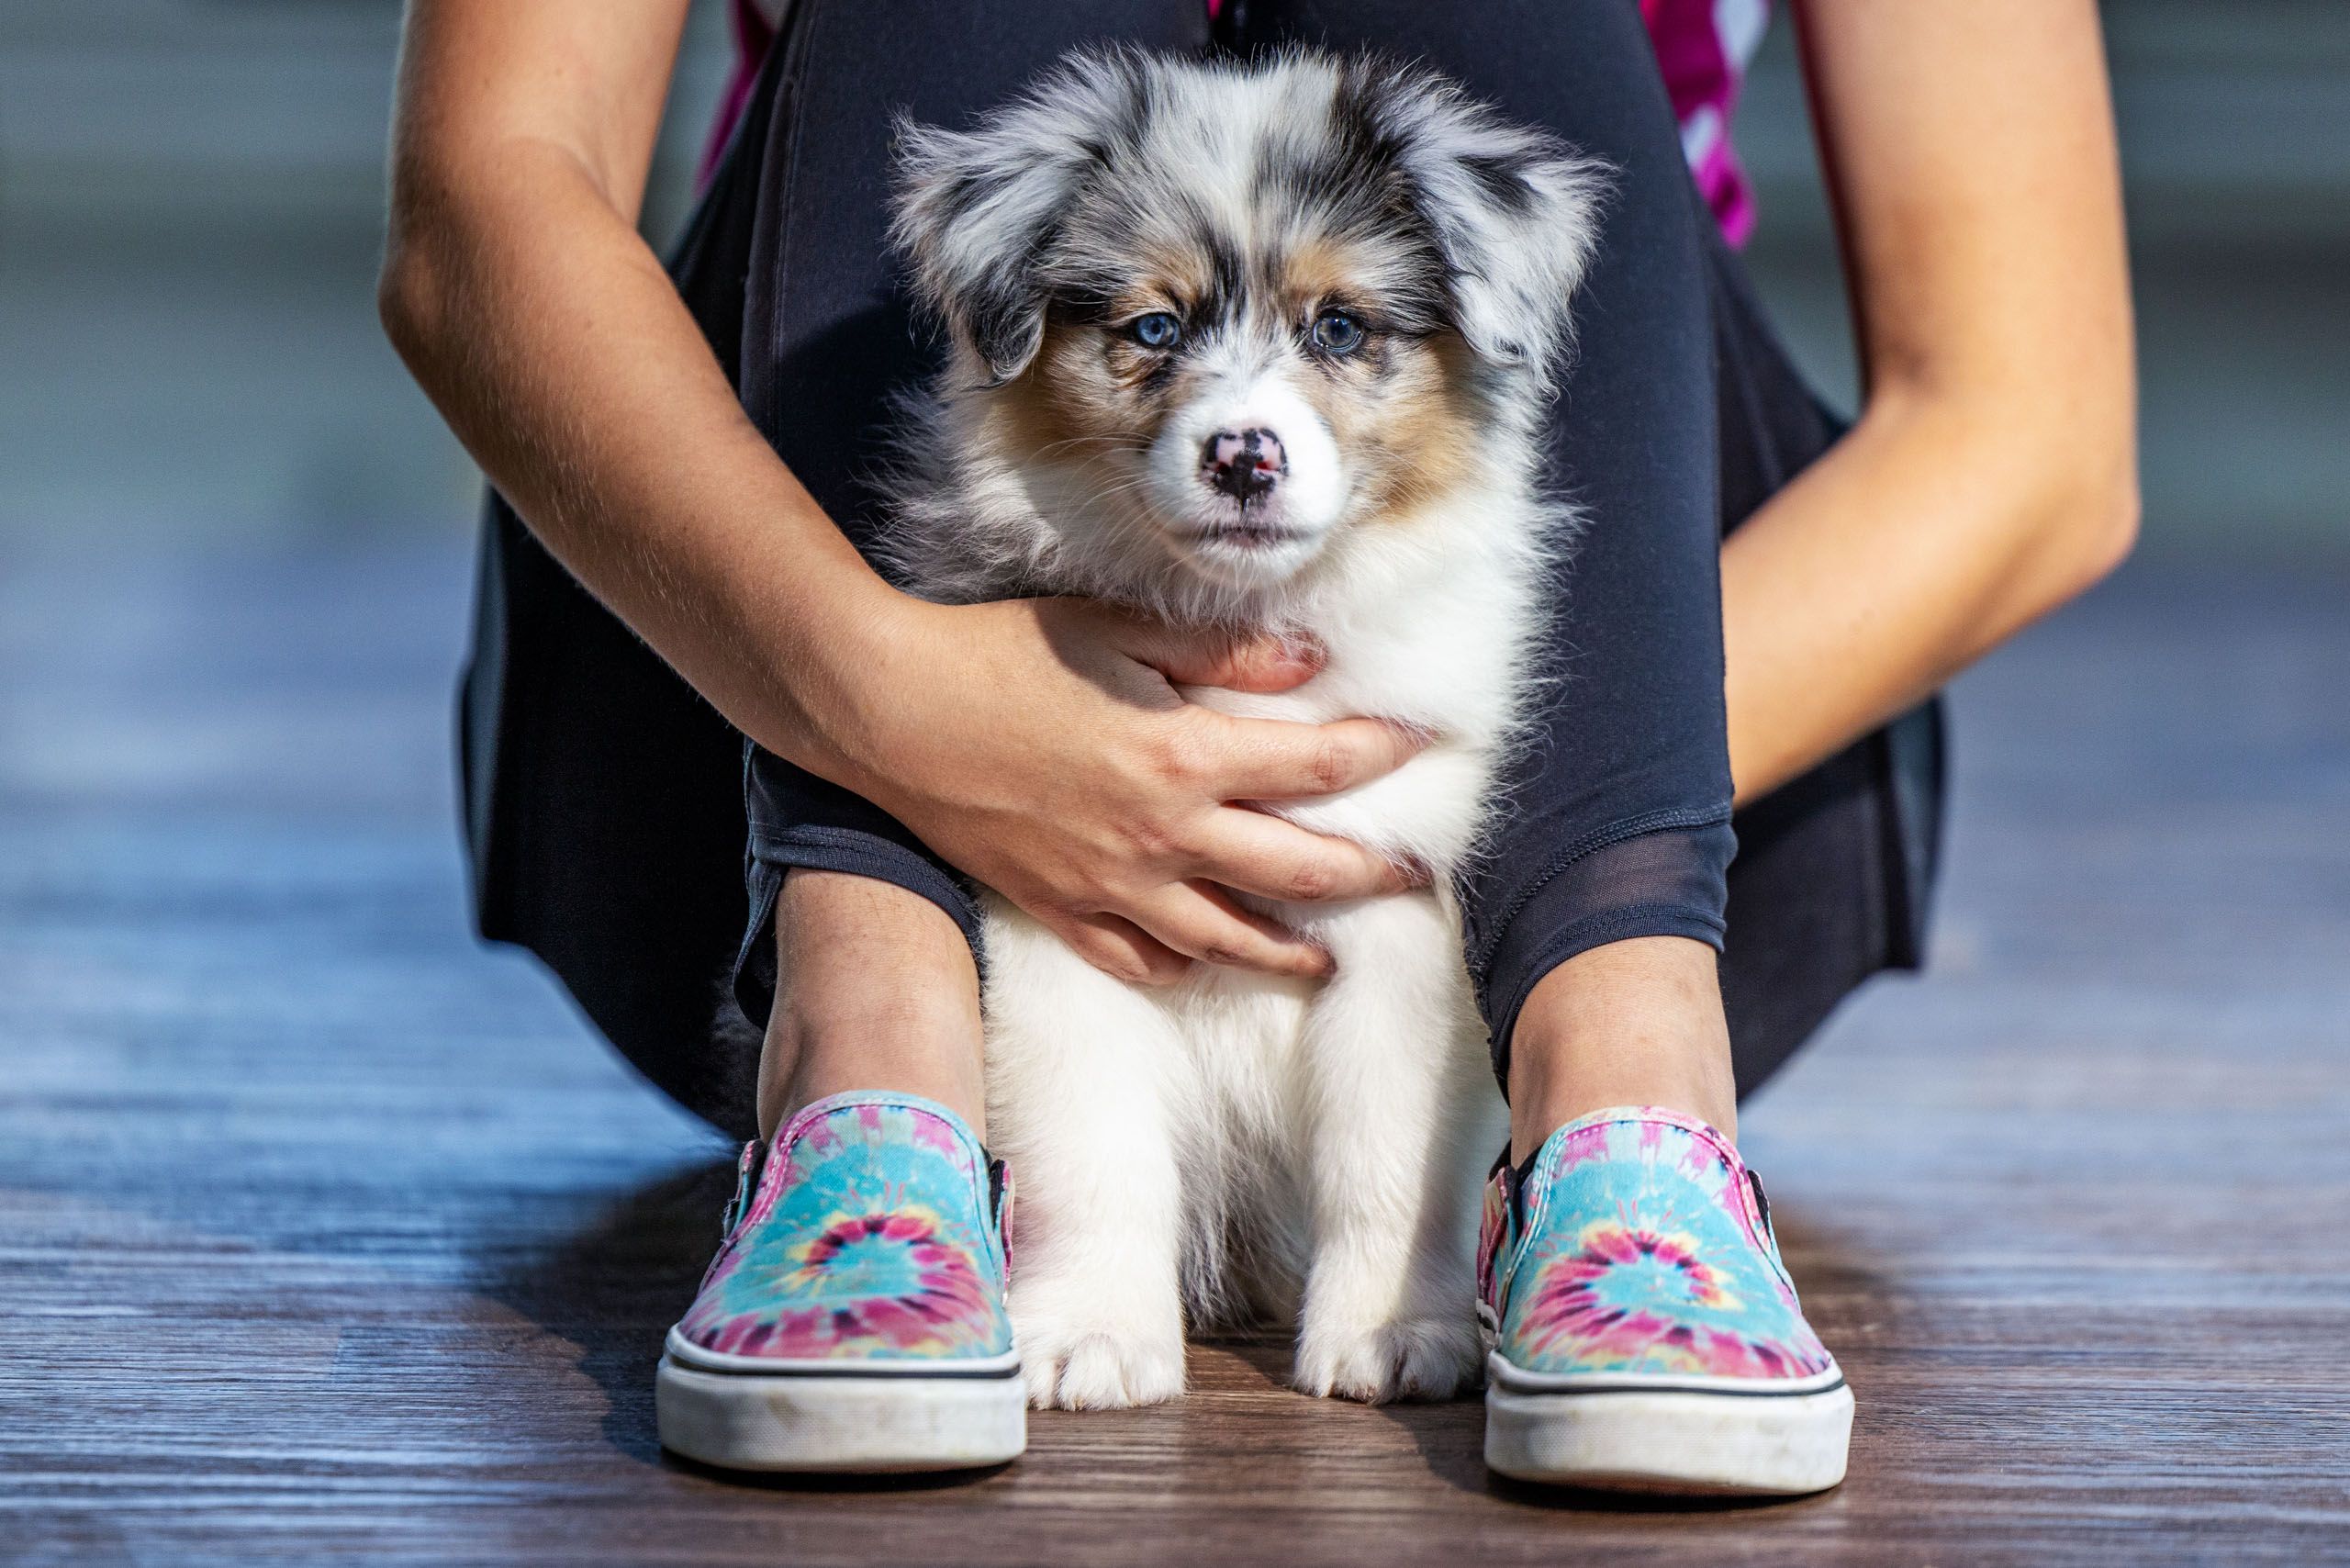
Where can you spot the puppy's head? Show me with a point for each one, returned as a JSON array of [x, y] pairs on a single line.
[[1225, 313]]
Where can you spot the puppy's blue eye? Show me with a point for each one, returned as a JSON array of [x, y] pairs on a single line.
[[1156, 331], [1335, 331]]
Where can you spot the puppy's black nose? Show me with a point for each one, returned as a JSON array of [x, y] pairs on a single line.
[[1244, 465]]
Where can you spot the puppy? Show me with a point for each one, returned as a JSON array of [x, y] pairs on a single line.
[[1259, 347]]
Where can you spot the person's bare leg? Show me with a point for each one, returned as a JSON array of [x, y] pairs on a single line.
[[875, 988], [1635, 1023]]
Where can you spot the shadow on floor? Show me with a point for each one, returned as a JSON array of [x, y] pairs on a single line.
[[612, 1287]]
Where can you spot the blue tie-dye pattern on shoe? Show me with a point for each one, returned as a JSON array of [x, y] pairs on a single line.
[[874, 1231], [1640, 1245]]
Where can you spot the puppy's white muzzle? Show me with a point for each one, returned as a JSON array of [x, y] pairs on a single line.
[[1247, 482]]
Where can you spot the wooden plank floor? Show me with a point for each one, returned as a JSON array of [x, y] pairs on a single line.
[[324, 1235]]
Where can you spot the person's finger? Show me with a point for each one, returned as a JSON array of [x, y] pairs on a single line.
[[1256, 853], [1123, 950], [1204, 923], [1279, 759], [1255, 663]]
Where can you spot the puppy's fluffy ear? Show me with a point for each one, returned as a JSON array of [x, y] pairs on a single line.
[[1515, 211], [978, 209]]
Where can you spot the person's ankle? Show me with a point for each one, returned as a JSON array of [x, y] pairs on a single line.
[[1637, 1023], [876, 989], [907, 1049]]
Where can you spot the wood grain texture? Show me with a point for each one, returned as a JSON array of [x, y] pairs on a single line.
[[325, 1235]]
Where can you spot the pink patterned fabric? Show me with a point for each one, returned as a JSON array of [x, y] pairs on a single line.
[[1702, 46], [752, 33]]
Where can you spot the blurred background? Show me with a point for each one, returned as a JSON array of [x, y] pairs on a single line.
[[191, 202]]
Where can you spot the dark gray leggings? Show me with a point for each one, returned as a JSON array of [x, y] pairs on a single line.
[[1679, 418]]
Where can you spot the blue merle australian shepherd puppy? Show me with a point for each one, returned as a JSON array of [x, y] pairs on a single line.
[[1262, 346]]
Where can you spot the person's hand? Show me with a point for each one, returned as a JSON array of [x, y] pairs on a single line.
[[1039, 746]]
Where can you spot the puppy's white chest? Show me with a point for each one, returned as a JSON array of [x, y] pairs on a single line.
[[1450, 681]]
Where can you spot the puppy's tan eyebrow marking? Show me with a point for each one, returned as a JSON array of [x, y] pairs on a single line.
[[1321, 273], [1168, 276], [1142, 301]]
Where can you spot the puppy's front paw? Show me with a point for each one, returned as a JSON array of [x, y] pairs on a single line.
[[1098, 1366], [1407, 1358]]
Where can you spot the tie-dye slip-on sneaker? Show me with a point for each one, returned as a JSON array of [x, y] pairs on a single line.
[[853, 1319], [1641, 1332]]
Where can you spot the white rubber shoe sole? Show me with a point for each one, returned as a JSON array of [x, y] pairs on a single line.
[[742, 1413], [1690, 1435]]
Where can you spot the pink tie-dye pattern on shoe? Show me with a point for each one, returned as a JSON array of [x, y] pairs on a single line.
[[871, 1233], [1644, 1250]]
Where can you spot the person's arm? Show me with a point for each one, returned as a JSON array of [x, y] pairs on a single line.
[[1993, 473], [1037, 744]]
